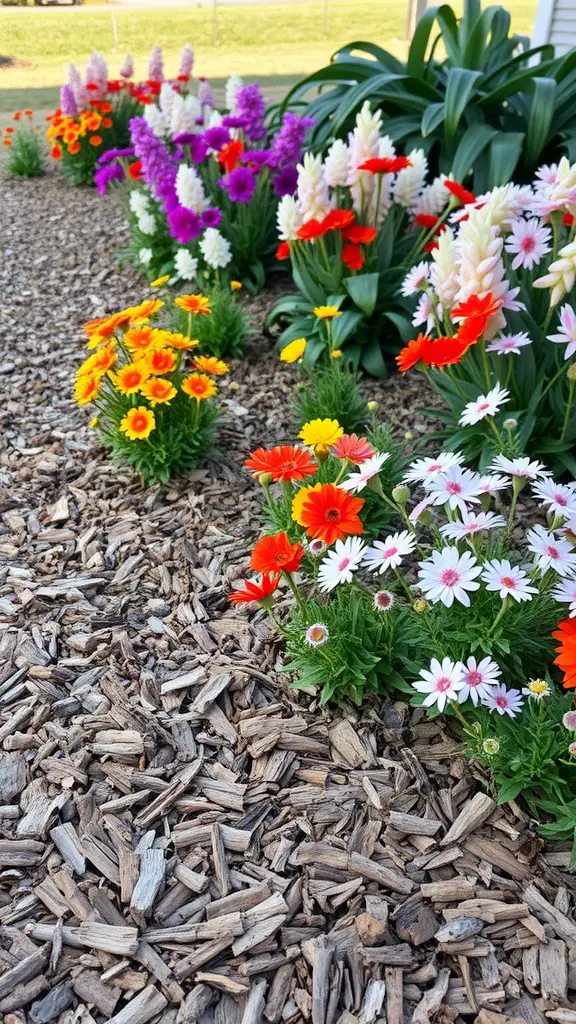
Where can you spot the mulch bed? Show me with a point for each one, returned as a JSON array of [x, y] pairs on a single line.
[[182, 836]]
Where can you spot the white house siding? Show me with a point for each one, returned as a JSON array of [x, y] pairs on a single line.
[[556, 23]]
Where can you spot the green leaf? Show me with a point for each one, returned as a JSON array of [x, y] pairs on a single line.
[[542, 111], [431, 118], [363, 290], [505, 152], [474, 140], [460, 84], [373, 360], [417, 53]]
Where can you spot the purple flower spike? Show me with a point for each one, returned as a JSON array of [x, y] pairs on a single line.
[[115, 154], [158, 170], [287, 145], [240, 185], [211, 217], [229, 121], [68, 103], [217, 137], [257, 158], [251, 106], [104, 175], [286, 182], [184, 224]]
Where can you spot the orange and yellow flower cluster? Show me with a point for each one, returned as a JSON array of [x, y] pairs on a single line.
[[66, 133]]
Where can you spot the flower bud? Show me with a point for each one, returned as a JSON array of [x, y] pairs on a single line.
[[336, 353], [420, 605], [510, 423], [490, 746], [569, 721], [571, 372], [372, 406], [401, 494], [408, 435], [265, 479]]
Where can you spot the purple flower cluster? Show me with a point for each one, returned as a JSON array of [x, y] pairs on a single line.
[[115, 154], [251, 107], [68, 104], [158, 170], [286, 149], [106, 174], [198, 148], [240, 184]]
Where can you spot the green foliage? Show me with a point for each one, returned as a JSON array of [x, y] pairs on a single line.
[[331, 392], [183, 435], [26, 154], [224, 332], [491, 107], [158, 247]]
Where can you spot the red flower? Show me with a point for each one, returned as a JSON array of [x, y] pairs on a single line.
[[285, 462], [92, 87], [568, 220], [430, 246], [134, 170], [230, 154], [460, 193], [413, 352], [445, 351], [311, 229], [425, 220], [566, 660], [275, 554], [385, 164], [115, 85], [359, 235], [283, 251], [254, 591], [352, 256], [338, 219], [183, 78], [330, 514], [475, 313]]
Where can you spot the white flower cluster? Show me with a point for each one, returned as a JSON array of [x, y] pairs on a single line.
[[175, 114], [190, 190], [185, 265], [215, 249]]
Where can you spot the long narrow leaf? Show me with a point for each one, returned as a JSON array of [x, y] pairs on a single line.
[[420, 40], [471, 145], [540, 120], [505, 151], [460, 83]]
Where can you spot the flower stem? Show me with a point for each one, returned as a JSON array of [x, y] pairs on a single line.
[[568, 411]]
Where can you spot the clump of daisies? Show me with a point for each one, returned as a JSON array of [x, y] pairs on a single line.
[[495, 322]]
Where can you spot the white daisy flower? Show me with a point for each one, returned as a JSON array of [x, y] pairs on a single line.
[[471, 523], [536, 689], [565, 591], [317, 634], [357, 481], [529, 241], [423, 469], [509, 343], [500, 575], [454, 488], [415, 279], [505, 702], [551, 552], [479, 679], [440, 683], [560, 498], [484, 405], [388, 554], [448, 576], [340, 563], [492, 483], [520, 467]]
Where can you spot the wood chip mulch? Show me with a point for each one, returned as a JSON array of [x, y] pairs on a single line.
[[182, 837]]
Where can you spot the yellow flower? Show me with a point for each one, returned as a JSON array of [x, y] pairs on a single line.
[[160, 281], [537, 688], [194, 304], [140, 339], [87, 387], [235, 285], [100, 362], [211, 365], [199, 386], [336, 353], [326, 312], [180, 341], [299, 499], [94, 422], [320, 434], [130, 378], [146, 309], [294, 351], [138, 423], [158, 390]]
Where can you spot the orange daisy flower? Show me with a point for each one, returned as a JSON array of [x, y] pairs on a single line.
[[145, 310], [276, 554], [199, 386], [194, 304], [352, 256], [566, 660], [358, 234], [211, 365], [413, 352], [87, 387], [160, 360], [353, 448], [139, 339], [129, 379], [158, 390], [180, 341], [311, 229], [254, 591], [283, 251], [230, 154], [285, 462], [460, 193], [74, 147], [475, 312], [331, 514], [101, 361], [138, 423], [338, 219], [445, 351], [95, 140]]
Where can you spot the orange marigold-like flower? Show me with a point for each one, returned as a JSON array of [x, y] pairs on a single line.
[[74, 148], [95, 140], [276, 554], [129, 379], [211, 365], [331, 514], [199, 386], [255, 591], [138, 423], [285, 462], [56, 153], [87, 387], [566, 660], [413, 352], [145, 310], [158, 390], [101, 361], [139, 339], [180, 341], [160, 360], [194, 304]]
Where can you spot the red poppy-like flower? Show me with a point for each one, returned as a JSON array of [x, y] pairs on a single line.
[[230, 154], [353, 448], [413, 352], [566, 660], [425, 220], [568, 220], [445, 351], [285, 462], [358, 234], [460, 193], [352, 256], [254, 591], [475, 313], [276, 554], [283, 251], [331, 514], [311, 229], [134, 170], [338, 219], [385, 164]]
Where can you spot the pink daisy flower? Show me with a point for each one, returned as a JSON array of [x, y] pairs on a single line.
[[509, 344], [567, 332], [529, 241], [415, 279], [500, 575], [353, 449], [448, 576], [484, 405], [479, 680], [441, 682], [388, 554], [565, 591], [505, 702], [560, 498], [551, 552]]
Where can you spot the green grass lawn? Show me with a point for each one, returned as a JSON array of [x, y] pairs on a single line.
[[276, 40]]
